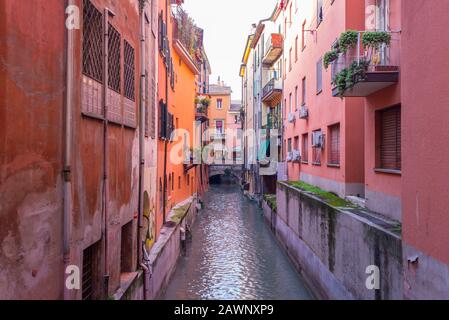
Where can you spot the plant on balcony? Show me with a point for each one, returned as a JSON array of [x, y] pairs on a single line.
[[374, 39], [205, 102], [348, 40], [347, 77], [329, 57]]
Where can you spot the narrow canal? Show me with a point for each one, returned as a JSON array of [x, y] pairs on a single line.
[[233, 255]]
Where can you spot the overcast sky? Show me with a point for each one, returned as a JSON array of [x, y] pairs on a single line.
[[226, 25]]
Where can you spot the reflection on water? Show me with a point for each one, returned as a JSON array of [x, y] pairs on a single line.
[[233, 255]]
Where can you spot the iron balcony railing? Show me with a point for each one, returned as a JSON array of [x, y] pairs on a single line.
[[273, 84], [384, 58]]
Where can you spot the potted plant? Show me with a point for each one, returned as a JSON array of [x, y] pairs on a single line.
[[348, 40], [329, 57]]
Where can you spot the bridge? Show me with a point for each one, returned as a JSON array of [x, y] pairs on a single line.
[[225, 169]]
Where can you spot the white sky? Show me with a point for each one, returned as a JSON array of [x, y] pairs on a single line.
[[227, 24]]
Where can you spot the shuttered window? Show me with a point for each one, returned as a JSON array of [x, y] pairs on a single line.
[[316, 151], [334, 145], [305, 147], [390, 138]]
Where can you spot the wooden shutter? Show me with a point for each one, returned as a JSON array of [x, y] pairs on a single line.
[[334, 144], [390, 138]]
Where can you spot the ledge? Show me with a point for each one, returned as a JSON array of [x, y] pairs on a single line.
[[380, 222], [388, 171], [336, 166]]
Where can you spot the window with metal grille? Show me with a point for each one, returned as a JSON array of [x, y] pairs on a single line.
[[305, 147], [389, 138], [129, 68], [89, 272], [114, 59], [92, 41], [334, 145]]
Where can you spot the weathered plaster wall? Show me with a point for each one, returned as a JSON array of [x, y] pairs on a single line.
[[31, 98], [332, 248]]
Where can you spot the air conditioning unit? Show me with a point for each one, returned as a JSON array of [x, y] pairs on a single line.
[[318, 140], [296, 156], [304, 112], [289, 156], [291, 117]]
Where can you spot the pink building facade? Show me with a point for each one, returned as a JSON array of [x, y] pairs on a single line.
[[327, 132], [425, 127]]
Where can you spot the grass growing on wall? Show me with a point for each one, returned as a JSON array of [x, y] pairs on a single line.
[[327, 197], [271, 200], [180, 213]]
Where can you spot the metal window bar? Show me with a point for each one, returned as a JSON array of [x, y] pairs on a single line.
[[129, 68], [87, 280], [114, 59], [92, 42]]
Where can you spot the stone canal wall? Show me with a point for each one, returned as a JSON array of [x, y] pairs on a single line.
[[332, 247], [165, 252]]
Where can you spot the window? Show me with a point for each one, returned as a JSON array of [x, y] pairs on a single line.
[[290, 60], [319, 76], [389, 138], [305, 147], [126, 251], [173, 182], [290, 107], [319, 12], [219, 126], [303, 94], [303, 44], [296, 49], [290, 14], [219, 103], [89, 273], [316, 152], [188, 180], [296, 98], [334, 145], [179, 182], [114, 59], [296, 143], [129, 67], [289, 145], [92, 42], [285, 28]]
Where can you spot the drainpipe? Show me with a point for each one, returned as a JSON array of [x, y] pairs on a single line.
[[106, 152], [141, 130], [67, 166], [164, 209]]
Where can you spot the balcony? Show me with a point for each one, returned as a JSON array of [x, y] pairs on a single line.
[[201, 113], [363, 70], [274, 49], [272, 92]]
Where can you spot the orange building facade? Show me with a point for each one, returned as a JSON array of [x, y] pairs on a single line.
[[183, 76]]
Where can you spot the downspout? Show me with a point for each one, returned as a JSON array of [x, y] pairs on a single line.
[[67, 166], [141, 130], [106, 152], [164, 212]]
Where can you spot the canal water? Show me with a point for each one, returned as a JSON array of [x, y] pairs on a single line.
[[233, 255]]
